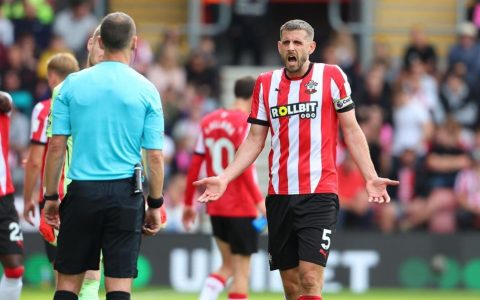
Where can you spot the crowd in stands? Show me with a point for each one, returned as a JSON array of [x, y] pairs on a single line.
[[421, 120]]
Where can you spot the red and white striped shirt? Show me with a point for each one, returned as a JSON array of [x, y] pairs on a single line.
[[302, 116], [38, 133], [6, 184]]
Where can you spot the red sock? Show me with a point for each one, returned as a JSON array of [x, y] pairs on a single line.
[[237, 296], [310, 298]]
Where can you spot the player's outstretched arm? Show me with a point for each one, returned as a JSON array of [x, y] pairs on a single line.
[[358, 147], [245, 156], [189, 213]]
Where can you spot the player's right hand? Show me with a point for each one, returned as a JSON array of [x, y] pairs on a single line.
[[188, 217], [214, 188], [48, 232]]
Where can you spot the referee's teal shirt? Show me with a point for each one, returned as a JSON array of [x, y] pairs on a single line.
[[111, 112]]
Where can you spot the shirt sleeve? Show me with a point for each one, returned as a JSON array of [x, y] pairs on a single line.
[[200, 145], [258, 113], [37, 127], [153, 129], [340, 90], [49, 118], [60, 118]]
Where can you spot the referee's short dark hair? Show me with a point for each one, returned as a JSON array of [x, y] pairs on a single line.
[[244, 87], [117, 30]]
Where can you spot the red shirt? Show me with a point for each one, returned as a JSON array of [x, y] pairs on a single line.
[[221, 133], [302, 116], [6, 184]]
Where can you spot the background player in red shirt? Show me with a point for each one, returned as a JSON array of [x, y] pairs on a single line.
[[11, 238], [222, 132], [301, 105]]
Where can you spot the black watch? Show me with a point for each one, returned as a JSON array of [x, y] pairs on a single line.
[[53, 197], [154, 202]]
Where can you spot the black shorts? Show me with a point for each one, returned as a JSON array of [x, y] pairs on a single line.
[[50, 249], [238, 232], [11, 237], [100, 215], [300, 227]]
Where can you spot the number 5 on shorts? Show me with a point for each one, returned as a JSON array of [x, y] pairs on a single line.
[[326, 239]]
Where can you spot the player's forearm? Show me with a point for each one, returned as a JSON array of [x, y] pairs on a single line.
[[155, 172], [358, 148], [54, 163], [192, 175], [245, 156], [30, 179]]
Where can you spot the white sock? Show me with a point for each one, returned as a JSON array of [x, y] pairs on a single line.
[[212, 288], [10, 288]]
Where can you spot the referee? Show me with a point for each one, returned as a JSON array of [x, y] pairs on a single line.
[[111, 112]]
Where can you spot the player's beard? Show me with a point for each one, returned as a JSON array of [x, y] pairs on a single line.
[[301, 59]]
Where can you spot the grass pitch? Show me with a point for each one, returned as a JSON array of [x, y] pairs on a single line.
[[387, 294]]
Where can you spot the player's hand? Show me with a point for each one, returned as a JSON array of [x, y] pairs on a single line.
[[261, 208], [29, 211], [50, 212], [188, 217], [377, 189], [152, 221], [48, 232], [214, 188], [163, 217]]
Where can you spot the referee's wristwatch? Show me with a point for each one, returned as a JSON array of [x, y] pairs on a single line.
[[53, 197], [154, 202]]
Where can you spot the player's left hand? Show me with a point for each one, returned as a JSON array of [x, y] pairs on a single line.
[[152, 222], [377, 189], [214, 188], [50, 212]]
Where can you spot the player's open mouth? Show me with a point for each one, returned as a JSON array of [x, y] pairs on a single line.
[[291, 58]]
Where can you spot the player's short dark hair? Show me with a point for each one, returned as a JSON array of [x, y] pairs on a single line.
[[117, 30], [297, 24], [244, 87]]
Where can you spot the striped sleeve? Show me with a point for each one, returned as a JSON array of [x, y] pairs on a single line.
[[340, 90], [38, 133], [258, 113]]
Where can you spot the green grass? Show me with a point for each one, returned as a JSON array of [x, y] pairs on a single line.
[[385, 294]]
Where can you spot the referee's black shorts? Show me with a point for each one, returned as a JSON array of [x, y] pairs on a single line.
[[100, 215], [238, 232], [300, 227]]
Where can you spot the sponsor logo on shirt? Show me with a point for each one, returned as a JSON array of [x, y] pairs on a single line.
[[306, 110]]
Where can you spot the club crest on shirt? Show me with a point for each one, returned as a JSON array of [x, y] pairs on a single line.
[[311, 87], [306, 110]]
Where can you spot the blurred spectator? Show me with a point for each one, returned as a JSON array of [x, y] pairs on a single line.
[[22, 98], [166, 72], [21, 66], [412, 125], [56, 45], [143, 56], [443, 162], [202, 75], [247, 30], [466, 52], [6, 30], [466, 188], [33, 17], [345, 51], [422, 87], [19, 141], [75, 25], [420, 48], [457, 99], [375, 90]]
